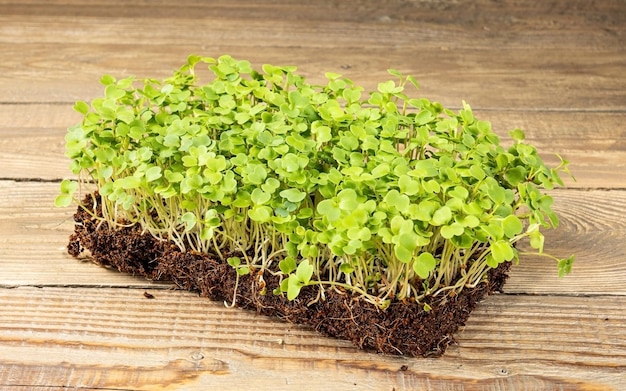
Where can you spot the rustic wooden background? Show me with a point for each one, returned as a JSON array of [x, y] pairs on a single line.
[[555, 68]]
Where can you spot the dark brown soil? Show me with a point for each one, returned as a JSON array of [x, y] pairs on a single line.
[[403, 328]]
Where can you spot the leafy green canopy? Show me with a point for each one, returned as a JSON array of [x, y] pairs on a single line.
[[386, 196]]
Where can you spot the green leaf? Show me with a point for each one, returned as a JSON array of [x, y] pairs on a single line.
[[431, 186], [399, 225], [322, 132], [256, 174], [394, 72], [362, 234], [260, 213], [408, 240], [403, 254], [441, 216], [329, 209], [63, 200], [397, 201], [413, 81], [380, 170], [287, 265], [259, 197], [68, 187], [270, 185], [424, 169], [408, 185], [124, 115], [389, 87], [174, 177], [484, 127], [517, 135], [459, 192], [351, 95], [189, 220], [234, 261], [515, 175], [242, 271], [565, 266], [496, 193], [107, 79], [349, 142], [536, 240], [305, 271], [477, 172], [491, 261], [113, 92], [347, 200], [332, 75], [469, 221], [305, 213], [129, 182], [502, 251], [450, 231], [375, 99], [294, 285], [293, 195], [512, 225], [346, 268], [494, 230], [188, 205], [424, 264], [81, 107], [153, 173]]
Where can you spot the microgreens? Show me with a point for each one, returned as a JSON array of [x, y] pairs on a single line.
[[387, 196]]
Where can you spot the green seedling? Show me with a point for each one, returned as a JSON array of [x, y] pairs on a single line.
[[386, 196]]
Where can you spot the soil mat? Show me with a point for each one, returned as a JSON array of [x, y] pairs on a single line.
[[403, 328]]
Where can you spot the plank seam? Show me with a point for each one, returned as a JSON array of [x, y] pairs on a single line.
[[164, 286]]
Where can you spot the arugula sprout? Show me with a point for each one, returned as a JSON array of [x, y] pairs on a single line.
[[386, 196]]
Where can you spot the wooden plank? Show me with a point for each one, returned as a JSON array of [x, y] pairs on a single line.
[[35, 233], [553, 68], [32, 141], [592, 227], [118, 339], [531, 78], [505, 22], [69, 45]]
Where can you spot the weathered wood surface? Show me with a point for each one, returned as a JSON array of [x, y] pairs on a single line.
[[552, 68], [117, 339], [517, 54]]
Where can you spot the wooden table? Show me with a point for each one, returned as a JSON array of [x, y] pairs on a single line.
[[557, 69]]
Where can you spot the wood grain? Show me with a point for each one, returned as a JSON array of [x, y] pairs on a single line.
[[118, 339], [548, 56], [554, 68], [592, 228], [549, 23], [62, 72]]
